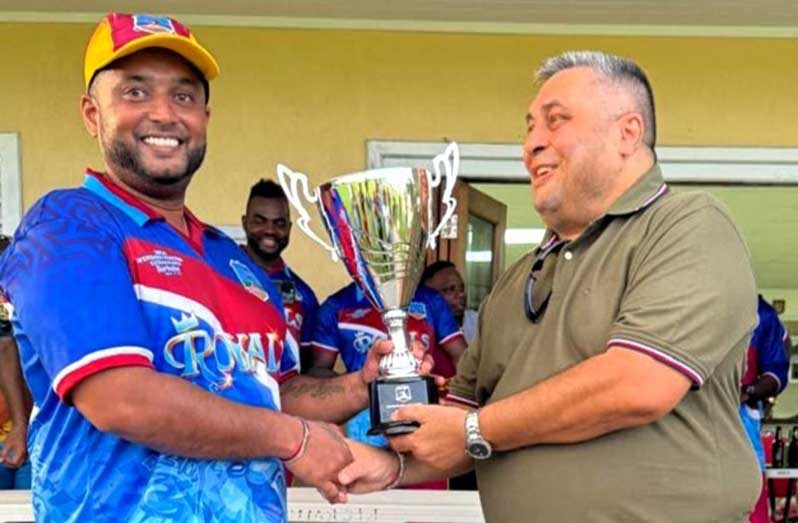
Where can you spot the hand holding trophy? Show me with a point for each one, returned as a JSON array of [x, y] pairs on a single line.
[[381, 223]]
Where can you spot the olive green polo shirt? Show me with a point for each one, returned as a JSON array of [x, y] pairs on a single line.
[[664, 274]]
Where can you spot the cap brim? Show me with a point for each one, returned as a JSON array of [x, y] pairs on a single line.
[[188, 49]]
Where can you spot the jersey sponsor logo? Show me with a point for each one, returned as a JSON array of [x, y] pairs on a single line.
[[417, 310], [194, 351], [153, 24], [163, 263], [249, 280], [356, 314]]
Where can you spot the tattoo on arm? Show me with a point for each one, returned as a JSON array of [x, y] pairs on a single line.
[[316, 389]]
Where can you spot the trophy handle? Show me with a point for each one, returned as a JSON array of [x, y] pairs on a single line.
[[449, 162], [295, 185]]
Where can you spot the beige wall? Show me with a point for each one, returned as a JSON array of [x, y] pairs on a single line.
[[311, 98]]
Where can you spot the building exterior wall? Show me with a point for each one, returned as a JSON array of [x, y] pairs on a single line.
[[311, 99]]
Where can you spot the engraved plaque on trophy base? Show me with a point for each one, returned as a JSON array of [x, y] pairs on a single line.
[[388, 394]]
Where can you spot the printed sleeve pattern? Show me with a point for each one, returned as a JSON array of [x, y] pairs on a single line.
[[74, 299]]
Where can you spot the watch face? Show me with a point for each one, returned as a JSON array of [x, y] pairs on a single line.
[[478, 450]]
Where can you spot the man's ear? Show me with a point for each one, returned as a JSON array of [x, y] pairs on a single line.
[[632, 129], [90, 114]]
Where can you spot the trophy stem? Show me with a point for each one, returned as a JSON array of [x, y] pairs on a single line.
[[400, 363]]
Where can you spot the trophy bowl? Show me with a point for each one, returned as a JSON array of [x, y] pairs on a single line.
[[381, 223]]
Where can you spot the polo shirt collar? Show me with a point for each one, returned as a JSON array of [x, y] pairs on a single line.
[[645, 191], [138, 211]]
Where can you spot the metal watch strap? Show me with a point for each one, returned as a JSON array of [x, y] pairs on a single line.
[[472, 423]]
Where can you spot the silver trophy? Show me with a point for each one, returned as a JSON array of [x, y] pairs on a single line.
[[381, 223]]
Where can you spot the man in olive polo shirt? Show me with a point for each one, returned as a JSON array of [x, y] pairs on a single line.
[[604, 380]]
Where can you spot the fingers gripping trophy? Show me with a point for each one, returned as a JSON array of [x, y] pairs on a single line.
[[381, 223]]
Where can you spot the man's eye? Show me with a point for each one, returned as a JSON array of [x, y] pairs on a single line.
[[184, 98], [556, 119], [135, 92]]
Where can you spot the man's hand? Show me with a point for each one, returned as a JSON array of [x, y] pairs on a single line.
[[440, 440], [15, 448], [373, 469], [325, 455], [371, 367]]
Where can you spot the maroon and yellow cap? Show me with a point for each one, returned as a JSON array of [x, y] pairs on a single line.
[[122, 34]]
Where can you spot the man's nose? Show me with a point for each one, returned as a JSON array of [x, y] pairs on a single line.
[[161, 109], [536, 141]]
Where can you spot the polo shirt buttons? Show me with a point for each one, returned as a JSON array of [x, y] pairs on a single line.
[[568, 255]]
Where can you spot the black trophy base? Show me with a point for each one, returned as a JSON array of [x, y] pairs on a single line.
[[387, 395]]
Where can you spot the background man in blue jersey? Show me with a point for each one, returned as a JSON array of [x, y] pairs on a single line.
[[767, 364], [348, 325], [267, 224], [164, 362], [15, 408]]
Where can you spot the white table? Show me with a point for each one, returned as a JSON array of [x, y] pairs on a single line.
[[305, 504]]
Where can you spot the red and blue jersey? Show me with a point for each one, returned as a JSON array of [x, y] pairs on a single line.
[[348, 324], [767, 353], [299, 302], [97, 280]]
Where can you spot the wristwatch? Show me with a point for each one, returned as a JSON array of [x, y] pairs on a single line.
[[475, 445]]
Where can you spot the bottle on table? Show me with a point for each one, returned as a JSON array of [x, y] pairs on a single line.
[[778, 449], [792, 449]]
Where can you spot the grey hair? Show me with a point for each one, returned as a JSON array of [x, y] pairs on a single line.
[[620, 70]]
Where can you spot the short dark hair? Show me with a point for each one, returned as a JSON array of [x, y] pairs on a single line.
[[264, 188], [5, 241], [434, 268]]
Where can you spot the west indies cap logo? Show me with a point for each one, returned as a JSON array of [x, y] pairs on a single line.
[[154, 24], [249, 280], [122, 34]]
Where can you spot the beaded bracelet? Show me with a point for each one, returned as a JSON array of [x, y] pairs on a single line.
[[303, 444], [400, 474]]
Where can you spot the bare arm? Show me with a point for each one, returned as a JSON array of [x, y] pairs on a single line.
[[333, 399], [18, 397], [455, 349], [173, 416], [12, 384], [375, 468], [617, 389], [338, 398]]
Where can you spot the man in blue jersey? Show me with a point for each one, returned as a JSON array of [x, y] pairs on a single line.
[[765, 376], [15, 407], [348, 325], [155, 349], [267, 224]]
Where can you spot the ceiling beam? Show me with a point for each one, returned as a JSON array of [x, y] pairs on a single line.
[[717, 31]]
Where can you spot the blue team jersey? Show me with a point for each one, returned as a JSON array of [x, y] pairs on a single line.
[[347, 324], [299, 302], [98, 280]]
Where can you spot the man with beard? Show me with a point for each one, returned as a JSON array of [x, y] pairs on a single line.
[[267, 224], [154, 348]]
